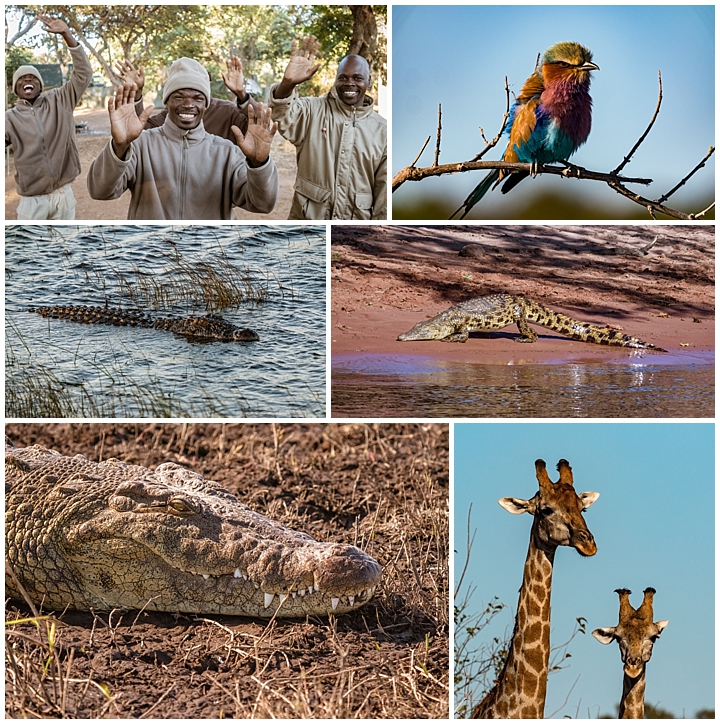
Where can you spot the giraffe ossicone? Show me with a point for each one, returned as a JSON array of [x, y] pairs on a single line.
[[636, 633], [557, 509]]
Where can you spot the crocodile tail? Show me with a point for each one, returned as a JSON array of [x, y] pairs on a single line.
[[95, 315], [582, 331], [478, 192]]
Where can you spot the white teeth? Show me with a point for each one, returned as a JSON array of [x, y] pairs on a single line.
[[310, 590], [334, 602], [302, 593], [316, 587], [205, 576], [257, 585], [269, 599], [283, 597], [237, 573], [294, 594], [352, 600]]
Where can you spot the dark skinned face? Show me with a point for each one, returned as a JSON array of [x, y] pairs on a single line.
[[28, 87], [186, 108], [352, 81]]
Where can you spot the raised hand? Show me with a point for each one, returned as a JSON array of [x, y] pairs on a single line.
[[234, 79], [128, 73], [300, 67], [55, 25], [255, 144], [125, 124]]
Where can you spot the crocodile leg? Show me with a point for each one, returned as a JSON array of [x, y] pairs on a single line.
[[527, 332]]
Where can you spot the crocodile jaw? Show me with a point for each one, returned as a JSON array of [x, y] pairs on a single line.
[[431, 329]]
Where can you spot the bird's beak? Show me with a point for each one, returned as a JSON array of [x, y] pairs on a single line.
[[589, 66]]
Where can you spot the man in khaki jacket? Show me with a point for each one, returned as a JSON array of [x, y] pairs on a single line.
[[41, 130], [341, 141]]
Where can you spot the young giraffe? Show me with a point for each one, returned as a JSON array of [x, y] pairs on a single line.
[[636, 634], [519, 692]]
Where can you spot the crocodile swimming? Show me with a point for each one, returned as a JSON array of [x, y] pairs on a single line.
[[107, 535], [209, 327], [495, 311]]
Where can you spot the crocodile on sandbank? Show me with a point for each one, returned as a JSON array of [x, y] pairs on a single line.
[[110, 535], [495, 311], [209, 327]]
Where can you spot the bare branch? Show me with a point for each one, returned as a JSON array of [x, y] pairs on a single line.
[[439, 133], [410, 173], [682, 183], [412, 165], [653, 207], [627, 158], [22, 30], [505, 119]]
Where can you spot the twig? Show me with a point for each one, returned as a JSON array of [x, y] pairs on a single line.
[[505, 119], [682, 183], [439, 133], [627, 158], [653, 207], [427, 140]]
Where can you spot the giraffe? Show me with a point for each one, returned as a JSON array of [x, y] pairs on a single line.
[[636, 634], [519, 692]]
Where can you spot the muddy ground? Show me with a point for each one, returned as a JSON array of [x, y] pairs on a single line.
[[91, 143], [386, 279], [384, 487]]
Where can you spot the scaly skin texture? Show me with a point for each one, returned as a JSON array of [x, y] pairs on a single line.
[[210, 327], [495, 311], [111, 535]]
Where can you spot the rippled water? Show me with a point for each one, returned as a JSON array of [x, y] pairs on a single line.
[[408, 386], [103, 371]]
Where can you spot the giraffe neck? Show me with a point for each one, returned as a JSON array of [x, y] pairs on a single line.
[[632, 704], [522, 684]]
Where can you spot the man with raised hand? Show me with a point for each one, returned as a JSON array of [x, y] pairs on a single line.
[[41, 130], [179, 171], [341, 141]]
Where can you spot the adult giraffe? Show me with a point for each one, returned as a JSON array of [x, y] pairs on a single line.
[[519, 692], [636, 633]]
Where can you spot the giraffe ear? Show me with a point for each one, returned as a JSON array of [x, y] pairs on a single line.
[[587, 499], [604, 635], [661, 625], [516, 506]]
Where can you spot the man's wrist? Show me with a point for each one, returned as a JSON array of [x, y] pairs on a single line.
[[256, 164]]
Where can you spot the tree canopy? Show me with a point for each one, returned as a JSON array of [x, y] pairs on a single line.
[[153, 36]]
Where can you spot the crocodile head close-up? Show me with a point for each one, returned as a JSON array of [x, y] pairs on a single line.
[[110, 535]]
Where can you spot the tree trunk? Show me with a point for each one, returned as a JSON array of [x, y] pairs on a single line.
[[364, 37]]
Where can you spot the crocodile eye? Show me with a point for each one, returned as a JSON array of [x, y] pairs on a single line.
[[180, 506]]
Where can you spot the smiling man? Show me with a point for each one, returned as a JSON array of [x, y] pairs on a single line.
[[341, 141], [41, 130], [179, 171]]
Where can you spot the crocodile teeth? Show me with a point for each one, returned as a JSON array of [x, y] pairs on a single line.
[[238, 574], [310, 590], [334, 602], [205, 576], [283, 597], [316, 588], [352, 600], [269, 599], [302, 593], [257, 585]]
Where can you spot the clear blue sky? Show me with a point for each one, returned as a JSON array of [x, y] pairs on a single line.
[[653, 524], [460, 55]]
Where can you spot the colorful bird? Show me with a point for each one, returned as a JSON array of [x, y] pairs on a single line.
[[549, 120]]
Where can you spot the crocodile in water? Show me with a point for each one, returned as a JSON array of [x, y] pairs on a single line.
[[110, 535], [209, 327], [495, 311]]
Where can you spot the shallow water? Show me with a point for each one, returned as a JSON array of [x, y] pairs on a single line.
[[131, 372], [410, 386]]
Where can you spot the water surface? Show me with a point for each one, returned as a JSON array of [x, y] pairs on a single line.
[[104, 371]]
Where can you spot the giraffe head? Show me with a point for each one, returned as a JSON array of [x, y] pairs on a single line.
[[557, 510], [636, 632]]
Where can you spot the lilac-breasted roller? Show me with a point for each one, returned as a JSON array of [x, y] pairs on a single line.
[[550, 118]]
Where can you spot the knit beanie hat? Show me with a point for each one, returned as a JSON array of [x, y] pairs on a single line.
[[187, 73], [26, 70]]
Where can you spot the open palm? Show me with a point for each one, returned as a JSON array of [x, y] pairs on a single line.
[[125, 124], [255, 144], [301, 66]]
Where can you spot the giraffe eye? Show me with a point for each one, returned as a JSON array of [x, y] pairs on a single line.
[[546, 510]]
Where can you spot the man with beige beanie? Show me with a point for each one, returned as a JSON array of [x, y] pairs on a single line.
[[179, 171], [41, 130]]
